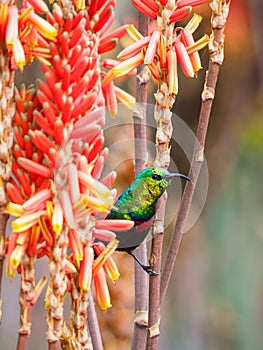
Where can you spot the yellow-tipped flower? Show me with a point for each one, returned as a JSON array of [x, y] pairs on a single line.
[[109, 266], [17, 254], [38, 289], [198, 45], [133, 33], [194, 22], [26, 221], [15, 209], [49, 210], [104, 255], [42, 26], [124, 98], [57, 219], [86, 269], [12, 26]]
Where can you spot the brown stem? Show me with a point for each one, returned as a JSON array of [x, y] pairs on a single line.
[[154, 286], [22, 340], [54, 346], [162, 115], [141, 278], [94, 325], [219, 16]]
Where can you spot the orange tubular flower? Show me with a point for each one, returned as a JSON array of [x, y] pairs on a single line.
[[172, 72], [184, 59], [37, 201], [109, 265], [3, 19], [76, 246], [123, 68], [10, 270], [102, 291], [33, 240], [146, 10], [114, 225], [180, 13], [133, 33], [17, 255], [133, 49], [34, 167], [27, 221], [152, 47], [39, 6], [57, 219], [162, 51], [104, 254], [182, 3], [12, 26], [19, 54], [42, 26], [86, 269]]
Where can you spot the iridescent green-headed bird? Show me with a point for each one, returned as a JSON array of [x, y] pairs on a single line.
[[138, 203]]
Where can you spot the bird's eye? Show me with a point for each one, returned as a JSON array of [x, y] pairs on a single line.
[[156, 177]]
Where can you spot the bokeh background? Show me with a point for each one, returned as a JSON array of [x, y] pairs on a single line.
[[214, 301]]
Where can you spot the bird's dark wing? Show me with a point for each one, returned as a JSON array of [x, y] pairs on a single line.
[[131, 239]]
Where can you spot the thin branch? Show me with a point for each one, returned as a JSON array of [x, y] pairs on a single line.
[[155, 280], [94, 325], [220, 10], [141, 278], [22, 341]]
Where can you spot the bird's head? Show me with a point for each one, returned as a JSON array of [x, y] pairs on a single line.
[[158, 179]]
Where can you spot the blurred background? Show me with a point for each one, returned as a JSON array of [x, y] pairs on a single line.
[[215, 298]]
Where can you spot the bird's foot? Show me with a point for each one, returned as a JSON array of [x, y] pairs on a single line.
[[149, 270]]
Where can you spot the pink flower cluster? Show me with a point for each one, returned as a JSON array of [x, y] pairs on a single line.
[[163, 48]]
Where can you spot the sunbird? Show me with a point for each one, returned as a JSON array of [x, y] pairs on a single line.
[[138, 203]]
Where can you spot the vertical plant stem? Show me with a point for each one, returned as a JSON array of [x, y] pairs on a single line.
[[94, 325], [162, 114], [57, 289], [141, 278], [27, 291], [21, 342], [220, 9], [154, 295], [78, 315]]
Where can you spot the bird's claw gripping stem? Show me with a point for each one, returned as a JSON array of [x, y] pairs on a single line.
[[147, 268]]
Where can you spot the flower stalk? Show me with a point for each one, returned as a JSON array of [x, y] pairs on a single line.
[[139, 124], [220, 10]]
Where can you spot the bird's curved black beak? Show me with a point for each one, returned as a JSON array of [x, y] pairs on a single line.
[[169, 176]]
